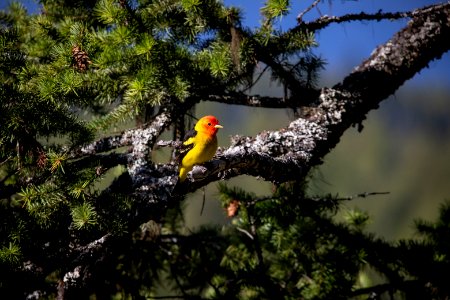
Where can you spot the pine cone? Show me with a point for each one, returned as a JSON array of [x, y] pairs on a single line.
[[80, 59], [233, 208]]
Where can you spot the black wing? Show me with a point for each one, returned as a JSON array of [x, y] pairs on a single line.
[[191, 133], [183, 149]]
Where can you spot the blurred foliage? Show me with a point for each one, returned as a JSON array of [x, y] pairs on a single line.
[[402, 150], [289, 246]]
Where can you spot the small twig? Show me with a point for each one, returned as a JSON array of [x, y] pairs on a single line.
[[240, 98], [165, 297], [324, 21], [256, 80], [6, 160], [300, 16], [362, 195], [246, 232], [203, 202], [191, 116]]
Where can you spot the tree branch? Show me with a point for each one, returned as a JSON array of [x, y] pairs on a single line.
[[150, 131], [289, 153], [142, 140], [104, 144], [286, 77], [324, 21], [240, 98], [300, 15]]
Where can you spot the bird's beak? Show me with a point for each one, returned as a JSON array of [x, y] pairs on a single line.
[[218, 126]]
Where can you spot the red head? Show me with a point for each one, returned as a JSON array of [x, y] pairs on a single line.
[[208, 125]]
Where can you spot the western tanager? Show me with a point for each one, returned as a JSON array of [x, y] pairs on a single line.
[[200, 145]]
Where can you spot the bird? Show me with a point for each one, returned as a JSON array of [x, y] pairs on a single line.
[[199, 146]]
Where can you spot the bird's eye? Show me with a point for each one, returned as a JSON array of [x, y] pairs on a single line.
[[209, 124]]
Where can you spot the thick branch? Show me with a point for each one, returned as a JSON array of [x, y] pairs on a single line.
[[424, 39], [105, 144], [84, 257], [126, 138], [142, 140], [278, 156]]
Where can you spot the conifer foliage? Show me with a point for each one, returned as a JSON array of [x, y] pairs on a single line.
[[85, 212]]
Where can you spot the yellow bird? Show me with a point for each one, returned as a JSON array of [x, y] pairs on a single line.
[[200, 145]]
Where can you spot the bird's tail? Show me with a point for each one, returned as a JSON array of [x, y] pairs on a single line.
[[183, 174]]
